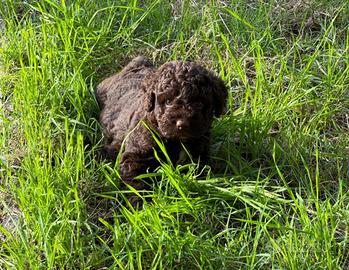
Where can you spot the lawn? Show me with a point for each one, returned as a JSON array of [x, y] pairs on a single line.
[[275, 194]]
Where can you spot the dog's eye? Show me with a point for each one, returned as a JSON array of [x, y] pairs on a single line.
[[161, 98]]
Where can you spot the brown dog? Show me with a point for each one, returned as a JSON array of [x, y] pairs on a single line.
[[178, 101]]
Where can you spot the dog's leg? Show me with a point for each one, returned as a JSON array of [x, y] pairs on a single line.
[[199, 149], [133, 164]]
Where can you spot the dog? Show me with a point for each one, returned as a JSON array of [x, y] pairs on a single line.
[[177, 101]]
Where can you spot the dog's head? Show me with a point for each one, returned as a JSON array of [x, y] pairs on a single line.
[[184, 97]]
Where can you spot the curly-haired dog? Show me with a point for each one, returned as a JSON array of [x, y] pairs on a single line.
[[178, 101]]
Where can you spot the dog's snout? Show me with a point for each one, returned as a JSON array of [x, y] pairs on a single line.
[[181, 124]]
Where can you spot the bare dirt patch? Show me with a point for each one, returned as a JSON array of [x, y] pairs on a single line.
[[304, 17], [9, 211]]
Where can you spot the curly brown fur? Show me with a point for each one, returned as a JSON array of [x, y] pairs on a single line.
[[178, 101]]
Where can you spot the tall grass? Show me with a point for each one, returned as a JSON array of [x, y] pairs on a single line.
[[276, 194]]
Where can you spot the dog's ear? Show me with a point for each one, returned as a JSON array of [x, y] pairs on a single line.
[[220, 95], [150, 101]]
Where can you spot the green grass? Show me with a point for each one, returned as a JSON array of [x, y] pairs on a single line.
[[276, 196]]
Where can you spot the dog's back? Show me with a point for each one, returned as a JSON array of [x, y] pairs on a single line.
[[119, 97]]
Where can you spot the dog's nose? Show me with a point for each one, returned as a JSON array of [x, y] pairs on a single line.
[[181, 124]]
